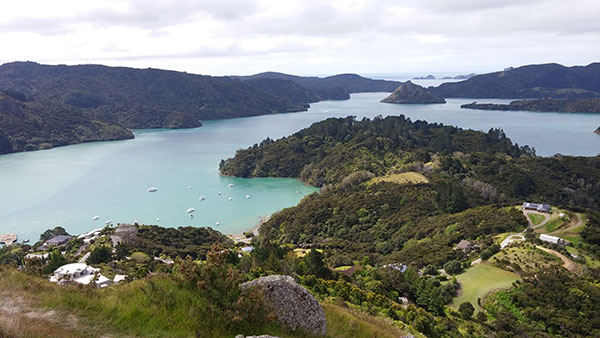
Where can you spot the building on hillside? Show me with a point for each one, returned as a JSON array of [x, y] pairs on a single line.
[[79, 273], [397, 266], [465, 245], [537, 207], [58, 240], [552, 239]]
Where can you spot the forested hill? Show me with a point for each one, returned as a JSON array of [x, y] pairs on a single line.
[[331, 150], [140, 98], [532, 81], [336, 87], [32, 126]]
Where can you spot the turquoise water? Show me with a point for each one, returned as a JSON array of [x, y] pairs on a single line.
[[68, 186]]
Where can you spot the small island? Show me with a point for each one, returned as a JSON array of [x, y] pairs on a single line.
[[428, 77], [590, 106], [410, 93]]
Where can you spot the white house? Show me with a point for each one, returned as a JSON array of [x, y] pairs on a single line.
[[552, 239], [79, 273]]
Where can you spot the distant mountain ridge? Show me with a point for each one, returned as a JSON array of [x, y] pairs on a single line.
[[532, 81], [98, 101], [336, 87], [141, 98]]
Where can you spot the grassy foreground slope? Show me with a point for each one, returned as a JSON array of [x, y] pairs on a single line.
[[151, 307]]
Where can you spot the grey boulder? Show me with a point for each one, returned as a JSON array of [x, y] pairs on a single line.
[[295, 307]]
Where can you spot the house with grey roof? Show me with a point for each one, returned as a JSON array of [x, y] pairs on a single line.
[[465, 245], [537, 207], [58, 240]]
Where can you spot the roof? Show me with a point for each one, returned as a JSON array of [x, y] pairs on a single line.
[[464, 244], [247, 249], [60, 239], [397, 266], [536, 206], [551, 239]]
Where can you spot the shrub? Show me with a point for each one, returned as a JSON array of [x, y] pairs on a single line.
[[466, 309], [453, 267], [100, 254]]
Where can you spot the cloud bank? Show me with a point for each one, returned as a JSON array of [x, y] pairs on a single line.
[[318, 37]]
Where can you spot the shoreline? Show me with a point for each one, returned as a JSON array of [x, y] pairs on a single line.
[[241, 238]]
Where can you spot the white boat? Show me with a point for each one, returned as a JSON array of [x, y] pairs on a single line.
[[26, 240], [202, 198], [230, 185], [153, 189], [230, 198], [297, 191], [189, 187], [217, 224], [108, 222], [219, 193], [95, 218], [190, 210], [247, 196], [157, 219]]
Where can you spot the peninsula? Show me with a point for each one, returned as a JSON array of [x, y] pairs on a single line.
[[591, 106]]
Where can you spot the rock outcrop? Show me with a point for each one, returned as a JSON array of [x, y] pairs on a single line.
[[410, 93], [295, 307]]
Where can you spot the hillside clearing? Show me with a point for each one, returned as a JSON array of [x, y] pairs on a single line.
[[403, 178]]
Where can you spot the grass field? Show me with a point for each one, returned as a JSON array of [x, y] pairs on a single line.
[[480, 280], [403, 178], [536, 219], [555, 223]]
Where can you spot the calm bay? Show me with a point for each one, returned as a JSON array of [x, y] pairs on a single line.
[[68, 186]]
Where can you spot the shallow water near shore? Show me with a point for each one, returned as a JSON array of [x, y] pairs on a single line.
[[68, 186]]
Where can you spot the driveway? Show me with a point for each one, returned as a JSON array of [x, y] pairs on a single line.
[[567, 263]]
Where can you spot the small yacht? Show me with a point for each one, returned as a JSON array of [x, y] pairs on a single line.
[[157, 219], [108, 222], [189, 187], [248, 196], [202, 198], [26, 240], [153, 189], [219, 193], [230, 198], [230, 185], [217, 224], [190, 210], [95, 218], [297, 191]]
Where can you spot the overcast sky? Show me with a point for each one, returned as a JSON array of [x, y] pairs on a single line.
[[302, 37]]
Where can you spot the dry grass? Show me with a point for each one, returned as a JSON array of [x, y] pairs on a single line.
[[346, 322], [403, 178]]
